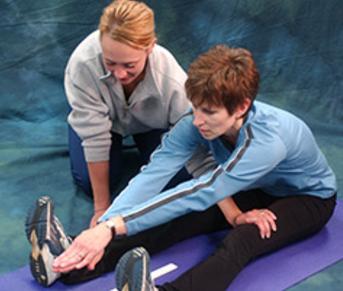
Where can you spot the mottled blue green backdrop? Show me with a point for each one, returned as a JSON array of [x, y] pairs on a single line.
[[297, 45]]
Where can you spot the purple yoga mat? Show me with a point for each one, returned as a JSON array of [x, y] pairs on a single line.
[[273, 272]]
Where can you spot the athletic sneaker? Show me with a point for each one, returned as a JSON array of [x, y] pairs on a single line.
[[46, 235], [132, 271]]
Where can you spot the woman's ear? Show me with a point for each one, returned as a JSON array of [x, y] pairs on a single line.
[[151, 47], [243, 108]]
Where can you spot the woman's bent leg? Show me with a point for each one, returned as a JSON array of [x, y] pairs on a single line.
[[78, 162], [297, 218]]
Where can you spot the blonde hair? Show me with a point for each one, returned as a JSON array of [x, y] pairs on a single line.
[[129, 22], [223, 76]]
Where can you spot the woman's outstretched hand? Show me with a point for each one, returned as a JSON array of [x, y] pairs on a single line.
[[86, 250]]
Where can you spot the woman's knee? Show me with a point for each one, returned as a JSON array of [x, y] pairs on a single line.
[[240, 245]]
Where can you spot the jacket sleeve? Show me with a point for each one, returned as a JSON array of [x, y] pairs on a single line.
[[176, 148], [248, 163], [89, 116]]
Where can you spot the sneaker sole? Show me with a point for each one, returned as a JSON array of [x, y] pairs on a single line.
[[38, 234], [35, 223], [37, 264], [125, 270]]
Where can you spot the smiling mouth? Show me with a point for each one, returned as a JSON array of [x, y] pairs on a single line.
[[124, 80], [204, 131]]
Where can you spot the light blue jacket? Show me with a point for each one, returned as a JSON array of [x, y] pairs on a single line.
[[275, 151]]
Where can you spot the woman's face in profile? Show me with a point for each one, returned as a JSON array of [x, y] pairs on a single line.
[[124, 62], [215, 121]]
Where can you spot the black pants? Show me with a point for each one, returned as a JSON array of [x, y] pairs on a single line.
[[297, 217], [154, 240]]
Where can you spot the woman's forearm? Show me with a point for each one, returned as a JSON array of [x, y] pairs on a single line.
[[230, 209]]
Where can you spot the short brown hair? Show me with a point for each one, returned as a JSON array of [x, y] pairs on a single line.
[[129, 22], [223, 76]]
